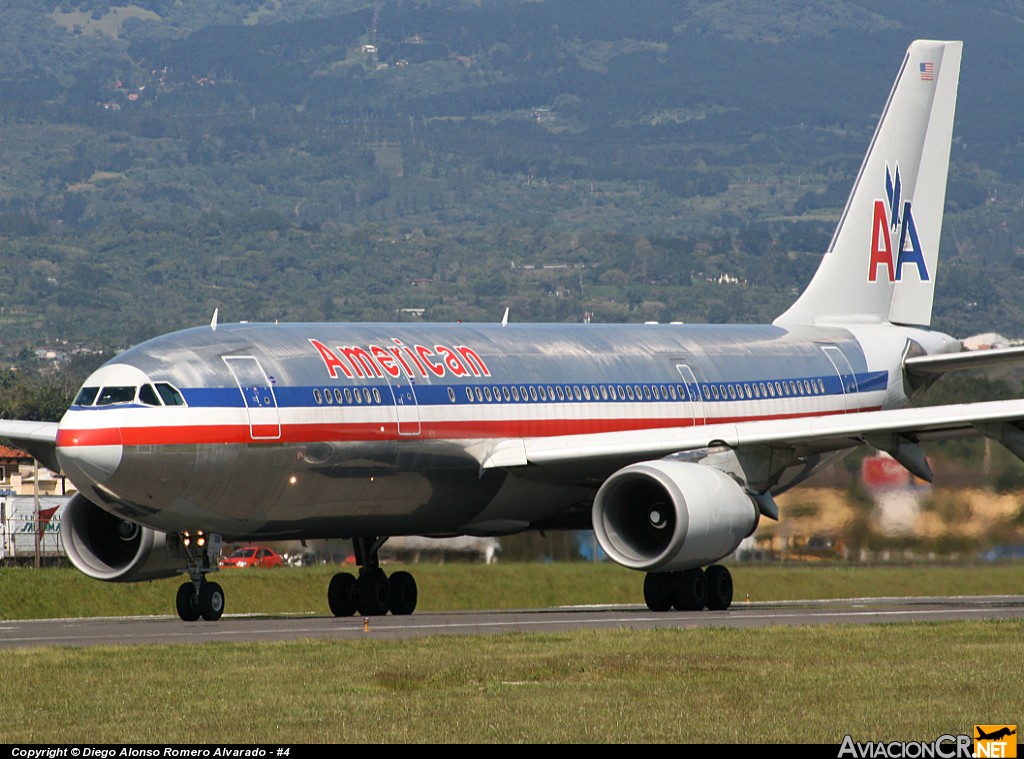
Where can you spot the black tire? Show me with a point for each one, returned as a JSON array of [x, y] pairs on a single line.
[[341, 595], [659, 590], [691, 590], [719, 587], [403, 593], [374, 593], [211, 601], [187, 602]]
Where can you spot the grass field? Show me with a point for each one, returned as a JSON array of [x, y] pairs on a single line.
[[47, 593], [884, 682]]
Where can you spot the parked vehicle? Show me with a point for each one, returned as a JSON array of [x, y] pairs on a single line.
[[253, 556]]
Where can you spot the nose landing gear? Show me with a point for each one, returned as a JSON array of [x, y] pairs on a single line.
[[198, 597]]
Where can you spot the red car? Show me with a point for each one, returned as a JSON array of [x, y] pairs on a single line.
[[253, 556]]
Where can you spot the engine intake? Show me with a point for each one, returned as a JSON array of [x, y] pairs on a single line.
[[671, 515], [107, 547]]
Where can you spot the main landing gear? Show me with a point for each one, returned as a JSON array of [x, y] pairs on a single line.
[[373, 593], [689, 590], [197, 597]]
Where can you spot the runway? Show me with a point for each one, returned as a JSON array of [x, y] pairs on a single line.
[[255, 628]]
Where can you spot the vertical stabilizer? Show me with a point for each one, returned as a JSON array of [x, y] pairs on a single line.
[[881, 263]]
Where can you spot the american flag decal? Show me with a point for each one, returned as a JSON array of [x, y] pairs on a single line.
[[927, 72]]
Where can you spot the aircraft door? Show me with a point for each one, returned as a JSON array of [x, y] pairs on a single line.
[[847, 377], [407, 408], [692, 392], [258, 396]]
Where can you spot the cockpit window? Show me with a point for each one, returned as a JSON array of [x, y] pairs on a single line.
[[148, 396], [111, 395], [169, 394], [86, 396]]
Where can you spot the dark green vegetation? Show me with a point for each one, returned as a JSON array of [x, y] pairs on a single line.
[[47, 593], [165, 158]]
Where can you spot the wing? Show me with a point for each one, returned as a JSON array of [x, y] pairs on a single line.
[[38, 438], [897, 431]]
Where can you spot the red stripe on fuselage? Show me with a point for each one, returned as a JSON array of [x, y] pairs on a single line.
[[376, 431]]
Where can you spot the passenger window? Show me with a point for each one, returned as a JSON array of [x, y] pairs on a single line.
[[469, 394], [338, 398], [451, 395], [317, 397], [515, 393], [366, 394], [561, 393], [487, 392], [169, 394], [533, 392], [506, 393], [148, 396], [348, 396], [110, 396], [86, 396], [328, 398]]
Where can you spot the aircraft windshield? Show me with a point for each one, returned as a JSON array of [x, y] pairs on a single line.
[[86, 396], [161, 394], [111, 395]]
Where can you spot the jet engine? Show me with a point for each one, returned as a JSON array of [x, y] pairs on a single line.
[[670, 515], [107, 547]]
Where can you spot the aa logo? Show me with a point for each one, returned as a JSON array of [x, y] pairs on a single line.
[[894, 239], [995, 740]]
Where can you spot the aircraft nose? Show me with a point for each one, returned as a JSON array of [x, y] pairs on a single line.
[[88, 458]]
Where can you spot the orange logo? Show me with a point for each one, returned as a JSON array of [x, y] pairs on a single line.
[[995, 741]]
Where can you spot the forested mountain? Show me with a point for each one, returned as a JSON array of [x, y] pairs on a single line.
[[316, 159]]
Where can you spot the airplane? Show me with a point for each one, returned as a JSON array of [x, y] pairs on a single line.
[[995, 735], [670, 441]]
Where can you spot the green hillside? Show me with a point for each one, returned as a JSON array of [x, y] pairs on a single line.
[[347, 160]]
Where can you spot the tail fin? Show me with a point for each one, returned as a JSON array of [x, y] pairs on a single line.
[[880, 265]]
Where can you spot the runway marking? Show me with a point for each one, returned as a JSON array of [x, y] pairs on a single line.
[[189, 634]]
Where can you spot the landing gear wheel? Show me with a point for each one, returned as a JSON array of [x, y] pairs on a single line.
[[187, 602], [374, 593], [719, 587], [211, 601], [659, 590], [691, 590], [341, 595], [403, 593]]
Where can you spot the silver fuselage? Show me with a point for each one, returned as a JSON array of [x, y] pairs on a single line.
[[342, 430]]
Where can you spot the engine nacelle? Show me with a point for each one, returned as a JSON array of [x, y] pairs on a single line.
[[107, 547], [671, 515]]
